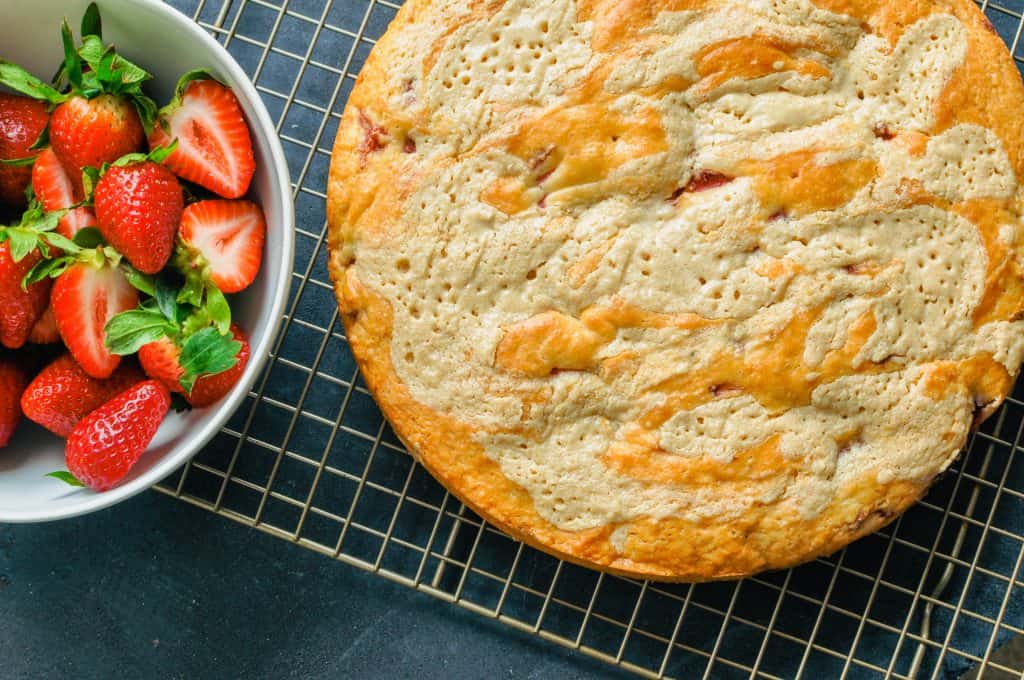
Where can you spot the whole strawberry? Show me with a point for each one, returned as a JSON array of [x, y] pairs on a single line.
[[86, 295], [101, 112], [62, 394], [211, 388], [214, 147], [161, 360], [86, 133], [138, 207], [20, 307], [55, 191], [104, 445], [12, 382], [22, 121]]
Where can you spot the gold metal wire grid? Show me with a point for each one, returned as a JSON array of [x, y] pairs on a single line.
[[309, 458]]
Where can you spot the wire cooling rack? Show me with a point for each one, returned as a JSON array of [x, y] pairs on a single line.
[[310, 459]]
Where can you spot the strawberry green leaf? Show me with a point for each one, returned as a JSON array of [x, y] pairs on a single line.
[[60, 241], [72, 63], [19, 162], [147, 111], [207, 353], [140, 281], [43, 140], [128, 331], [23, 82], [166, 299], [192, 292], [93, 52], [218, 308], [162, 153], [66, 477], [46, 269], [22, 242], [90, 178], [90, 237], [91, 22], [157, 155]]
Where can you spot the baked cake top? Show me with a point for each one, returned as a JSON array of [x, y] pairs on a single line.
[[685, 289]]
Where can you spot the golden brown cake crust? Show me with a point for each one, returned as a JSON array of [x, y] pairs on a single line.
[[545, 157]]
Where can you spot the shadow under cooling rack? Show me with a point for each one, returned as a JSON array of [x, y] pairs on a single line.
[[310, 459]]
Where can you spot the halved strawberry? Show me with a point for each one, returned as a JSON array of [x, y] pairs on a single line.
[[214, 146], [109, 441], [223, 240], [62, 394], [54, 189], [88, 294], [22, 121], [138, 206]]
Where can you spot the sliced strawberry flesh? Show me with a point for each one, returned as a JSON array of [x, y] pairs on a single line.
[[85, 298], [214, 145], [229, 235]]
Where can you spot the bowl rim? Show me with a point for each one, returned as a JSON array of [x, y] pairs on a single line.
[[201, 435]]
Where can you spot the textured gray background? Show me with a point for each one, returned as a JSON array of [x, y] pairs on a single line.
[[157, 588]]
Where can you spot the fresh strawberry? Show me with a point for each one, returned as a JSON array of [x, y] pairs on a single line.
[[12, 382], [86, 133], [104, 445], [85, 297], [22, 121], [138, 207], [210, 389], [214, 146], [101, 112], [20, 308], [45, 332], [160, 361], [54, 189], [62, 394], [223, 240]]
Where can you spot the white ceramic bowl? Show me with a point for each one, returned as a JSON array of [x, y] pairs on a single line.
[[167, 44]]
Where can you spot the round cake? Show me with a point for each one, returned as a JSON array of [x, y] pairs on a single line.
[[683, 289]]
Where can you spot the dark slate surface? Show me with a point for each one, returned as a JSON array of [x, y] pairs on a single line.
[[157, 588]]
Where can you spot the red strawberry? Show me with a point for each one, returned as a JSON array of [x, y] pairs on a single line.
[[224, 240], [62, 394], [138, 207], [12, 382], [85, 298], [22, 120], [210, 389], [19, 309], [86, 133], [160, 362], [55, 191], [45, 332], [104, 446], [214, 146]]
